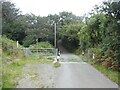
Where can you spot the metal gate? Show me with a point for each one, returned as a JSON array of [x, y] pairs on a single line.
[[41, 52]]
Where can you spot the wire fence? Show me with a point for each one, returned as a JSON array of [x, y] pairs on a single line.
[[41, 52]]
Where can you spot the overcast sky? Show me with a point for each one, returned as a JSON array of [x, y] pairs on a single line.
[[45, 7]]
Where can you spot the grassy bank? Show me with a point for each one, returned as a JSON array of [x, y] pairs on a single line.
[[40, 60], [12, 72], [111, 74], [56, 64], [13, 62]]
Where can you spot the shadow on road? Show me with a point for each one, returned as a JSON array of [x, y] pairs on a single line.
[[61, 48], [66, 56]]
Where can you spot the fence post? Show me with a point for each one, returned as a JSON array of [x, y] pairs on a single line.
[[88, 55], [93, 56], [82, 55], [56, 52], [17, 44], [27, 53]]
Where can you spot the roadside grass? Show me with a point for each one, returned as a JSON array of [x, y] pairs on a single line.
[[57, 64], [12, 73], [83, 58], [61, 58], [40, 60], [72, 60], [13, 61], [111, 74], [48, 61]]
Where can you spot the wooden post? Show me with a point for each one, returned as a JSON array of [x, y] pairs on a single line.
[[93, 56], [88, 54], [27, 53], [55, 34], [17, 44]]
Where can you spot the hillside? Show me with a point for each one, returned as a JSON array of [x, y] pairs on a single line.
[[12, 61]]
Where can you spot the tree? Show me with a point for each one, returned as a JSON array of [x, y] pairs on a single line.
[[9, 15], [13, 28], [112, 42], [84, 41], [70, 37]]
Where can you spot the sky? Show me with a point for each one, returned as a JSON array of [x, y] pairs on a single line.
[[46, 7]]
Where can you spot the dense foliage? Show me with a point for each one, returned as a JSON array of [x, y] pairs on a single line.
[[101, 34], [9, 47], [27, 28], [41, 45]]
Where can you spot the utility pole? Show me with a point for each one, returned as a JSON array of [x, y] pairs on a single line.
[[37, 46], [55, 34]]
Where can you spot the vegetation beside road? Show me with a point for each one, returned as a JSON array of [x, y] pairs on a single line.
[[73, 60], [12, 73], [57, 64], [114, 75], [13, 61], [41, 45], [111, 74]]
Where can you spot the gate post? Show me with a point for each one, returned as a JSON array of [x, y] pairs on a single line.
[[88, 55], [26, 53], [56, 52]]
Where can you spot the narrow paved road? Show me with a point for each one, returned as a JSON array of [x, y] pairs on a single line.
[[79, 74], [73, 73]]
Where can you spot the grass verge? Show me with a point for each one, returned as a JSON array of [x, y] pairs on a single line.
[[72, 60], [111, 74], [40, 60], [12, 73], [57, 64]]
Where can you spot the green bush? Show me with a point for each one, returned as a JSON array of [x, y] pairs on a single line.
[[9, 47], [96, 50], [57, 64], [41, 45]]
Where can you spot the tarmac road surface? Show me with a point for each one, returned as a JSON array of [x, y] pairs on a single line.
[[79, 74]]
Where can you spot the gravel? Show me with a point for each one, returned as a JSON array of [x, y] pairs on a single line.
[[37, 75]]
